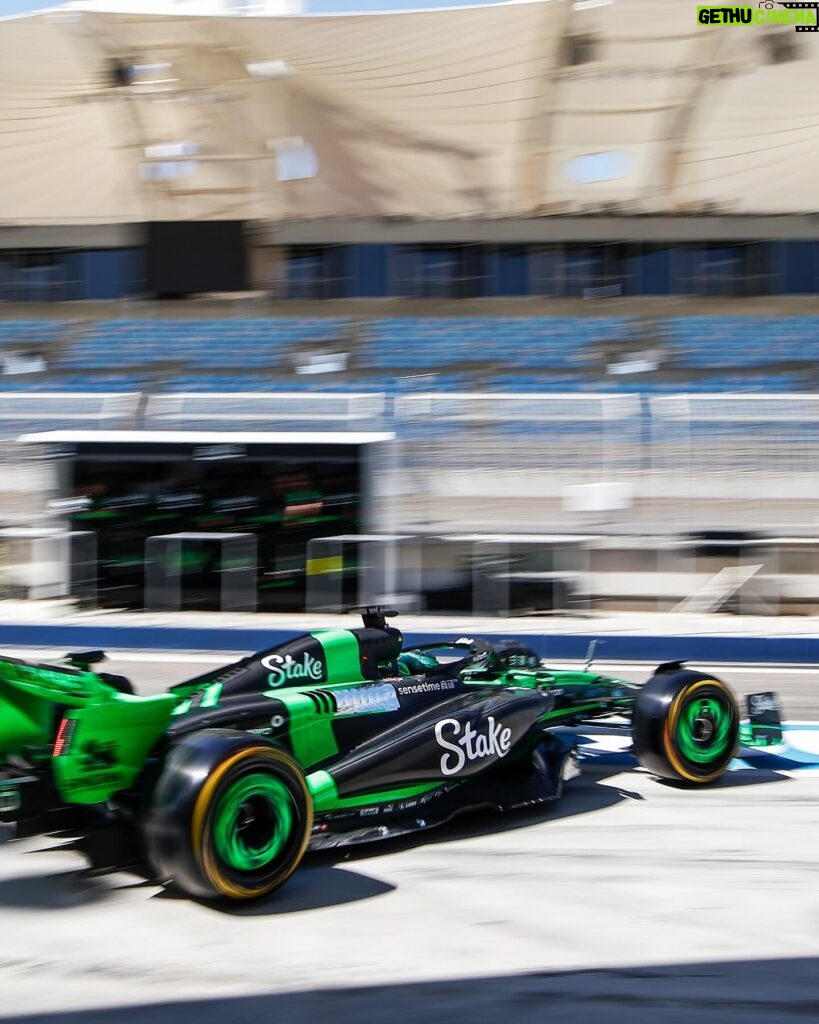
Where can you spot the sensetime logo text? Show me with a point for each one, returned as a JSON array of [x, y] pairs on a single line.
[[801, 15]]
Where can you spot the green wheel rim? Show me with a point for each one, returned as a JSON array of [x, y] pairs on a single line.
[[704, 729], [253, 821]]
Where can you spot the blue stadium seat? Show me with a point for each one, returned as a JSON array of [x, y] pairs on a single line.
[[742, 341], [29, 334], [202, 344], [514, 342], [403, 354]]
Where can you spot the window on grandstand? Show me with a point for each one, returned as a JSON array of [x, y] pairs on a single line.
[[295, 159], [168, 161], [582, 271], [315, 272], [438, 271], [590, 168], [723, 269], [34, 275]]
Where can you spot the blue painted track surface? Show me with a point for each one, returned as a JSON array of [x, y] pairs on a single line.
[[799, 751]]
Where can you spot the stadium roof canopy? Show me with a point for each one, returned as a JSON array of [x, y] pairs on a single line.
[[503, 110]]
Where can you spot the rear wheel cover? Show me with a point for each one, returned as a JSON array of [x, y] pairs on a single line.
[[251, 823]]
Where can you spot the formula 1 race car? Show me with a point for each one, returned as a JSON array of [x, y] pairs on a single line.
[[219, 785]]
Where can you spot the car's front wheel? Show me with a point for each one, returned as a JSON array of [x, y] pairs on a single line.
[[230, 817], [685, 726]]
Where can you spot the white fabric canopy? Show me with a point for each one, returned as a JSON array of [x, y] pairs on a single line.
[[464, 112]]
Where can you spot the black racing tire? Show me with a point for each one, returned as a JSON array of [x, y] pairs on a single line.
[[685, 726], [230, 816]]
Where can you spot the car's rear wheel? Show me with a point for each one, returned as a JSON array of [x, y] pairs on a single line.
[[685, 726], [230, 817]]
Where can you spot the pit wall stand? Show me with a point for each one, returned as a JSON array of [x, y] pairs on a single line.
[[353, 570], [167, 555], [49, 563]]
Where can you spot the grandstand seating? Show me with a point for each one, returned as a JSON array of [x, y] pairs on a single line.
[[526, 354], [538, 383], [206, 344], [714, 341], [415, 343], [28, 334], [217, 382], [72, 382]]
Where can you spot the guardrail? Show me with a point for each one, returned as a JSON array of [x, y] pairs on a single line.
[[525, 461]]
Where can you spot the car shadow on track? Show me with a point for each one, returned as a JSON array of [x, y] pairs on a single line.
[[313, 886], [734, 779], [584, 796], [64, 890], [578, 798], [320, 881]]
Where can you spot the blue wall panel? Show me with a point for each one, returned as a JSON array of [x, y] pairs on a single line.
[[133, 272], [105, 274], [473, 272], [800, 264], [405, 271], [304, 274], [683, 269], [75, 275], [653, 276], [512, 271], [348, 268], [545, 272], [439, 270], [491, 269], [383, 271], [776, 267], [582, 269], [372, 279]]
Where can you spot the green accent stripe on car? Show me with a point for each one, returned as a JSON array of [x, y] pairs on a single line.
[[311, 731], [341, 654], [211, 695], [323, 789]]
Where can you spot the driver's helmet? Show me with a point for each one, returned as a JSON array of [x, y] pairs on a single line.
[[415, 663], [506, 654], [515, 654]]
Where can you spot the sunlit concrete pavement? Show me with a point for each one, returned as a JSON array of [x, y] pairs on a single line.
[[670, 892]]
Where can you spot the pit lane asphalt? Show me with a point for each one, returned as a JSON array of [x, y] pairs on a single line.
[[629, 901]]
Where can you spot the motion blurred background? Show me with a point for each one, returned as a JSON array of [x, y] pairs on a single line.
[[506, 308]]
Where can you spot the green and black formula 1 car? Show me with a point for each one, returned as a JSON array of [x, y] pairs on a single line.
[[219, 785]]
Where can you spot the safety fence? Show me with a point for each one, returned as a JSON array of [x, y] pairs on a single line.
[[489, 461]]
